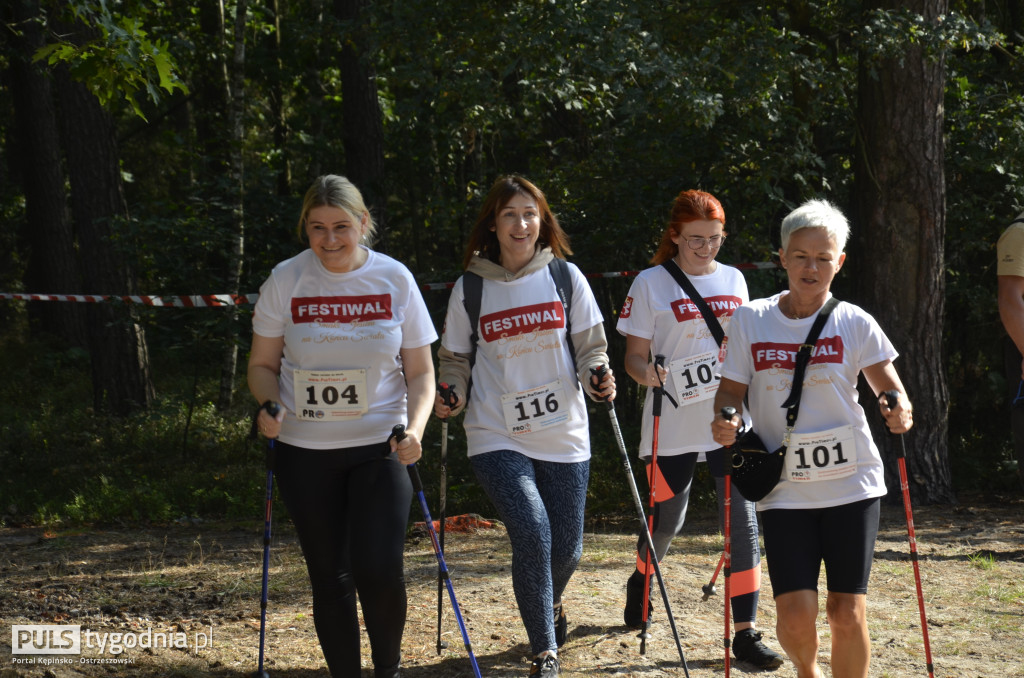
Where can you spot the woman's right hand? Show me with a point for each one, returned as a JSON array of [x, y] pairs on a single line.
[[270, 426], [724, 431]]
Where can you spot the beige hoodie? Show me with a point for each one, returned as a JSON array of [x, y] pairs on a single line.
[[591, 344]]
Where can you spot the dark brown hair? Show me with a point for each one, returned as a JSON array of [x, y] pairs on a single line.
[[484, 241]]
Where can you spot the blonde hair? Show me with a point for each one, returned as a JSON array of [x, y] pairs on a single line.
[[332, 190]]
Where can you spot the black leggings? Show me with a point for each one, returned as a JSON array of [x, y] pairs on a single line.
[[350, 507]]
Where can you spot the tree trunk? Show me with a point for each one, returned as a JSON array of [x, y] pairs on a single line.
[[278, 93], [362, 132], [52, 267], [898, 241], [236, 112], [117, 344]]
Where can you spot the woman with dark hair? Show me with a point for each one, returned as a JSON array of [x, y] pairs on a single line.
[[522, 333], [660, 317], [341, 340]]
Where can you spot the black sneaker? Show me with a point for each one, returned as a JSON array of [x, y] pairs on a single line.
[[561, 626], [545, 667], [747, 647], [632, 615]]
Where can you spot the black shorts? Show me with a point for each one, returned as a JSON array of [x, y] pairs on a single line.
[[796, 541]]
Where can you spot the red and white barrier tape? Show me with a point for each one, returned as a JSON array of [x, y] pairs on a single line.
[[190, 301], [216, 300]]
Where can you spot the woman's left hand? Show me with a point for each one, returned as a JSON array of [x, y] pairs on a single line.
[[409, 449], [900, 418]]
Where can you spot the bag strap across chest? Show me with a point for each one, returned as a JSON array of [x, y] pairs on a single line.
[[709, 316]]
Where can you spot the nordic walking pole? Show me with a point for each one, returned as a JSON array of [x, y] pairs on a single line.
[[659, 393], [727, 413], [398, 433], [272, 409], [446, 397], [892, 398], [709, 588], [598, 373]]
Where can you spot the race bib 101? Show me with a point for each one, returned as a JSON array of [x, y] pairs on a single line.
[[825, 455]]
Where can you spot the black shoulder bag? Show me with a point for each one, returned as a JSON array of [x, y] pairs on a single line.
[[755, 470]]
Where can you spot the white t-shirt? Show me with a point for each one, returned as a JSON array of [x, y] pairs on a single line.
[[658, 309], [342, 336], [762, 350], [521, 348]]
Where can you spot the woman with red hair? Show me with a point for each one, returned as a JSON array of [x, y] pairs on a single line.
[[660, 317]]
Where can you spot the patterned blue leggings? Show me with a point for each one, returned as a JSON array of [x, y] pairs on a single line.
[[541, 504]]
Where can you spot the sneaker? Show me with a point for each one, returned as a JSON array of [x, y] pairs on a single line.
[[632, 615], [747, 647], [561, 626], [545, 667]]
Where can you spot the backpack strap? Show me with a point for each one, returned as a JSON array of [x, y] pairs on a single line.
[[559, 270], [709, 316], [472, 290]]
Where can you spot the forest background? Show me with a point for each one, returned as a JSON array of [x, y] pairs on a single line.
[[162, 148]]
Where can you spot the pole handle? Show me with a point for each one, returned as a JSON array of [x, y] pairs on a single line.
[[447, 392], [892, 398], [398, 433], [598, 376]]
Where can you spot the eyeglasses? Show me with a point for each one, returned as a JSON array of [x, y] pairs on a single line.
[[700, 243]]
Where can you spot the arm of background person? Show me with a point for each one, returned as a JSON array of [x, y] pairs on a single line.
[[419, 379], [1011, 310]]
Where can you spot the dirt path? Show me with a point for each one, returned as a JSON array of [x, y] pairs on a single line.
[[199, 585]]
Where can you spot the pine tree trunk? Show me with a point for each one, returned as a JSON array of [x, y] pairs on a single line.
[[898, 239], [362, 132], [117, 344], [236, 111], [52, 266]]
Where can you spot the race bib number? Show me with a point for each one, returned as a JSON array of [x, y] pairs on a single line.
[[825, 455], [330, 395], [535, 409], [695, 377]]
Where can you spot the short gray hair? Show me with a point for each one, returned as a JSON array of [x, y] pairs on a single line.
[[817, 214]]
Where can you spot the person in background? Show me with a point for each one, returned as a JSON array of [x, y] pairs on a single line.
[[1010, 272], [526, 421], [341, 339], [659, 317], [826, 506]]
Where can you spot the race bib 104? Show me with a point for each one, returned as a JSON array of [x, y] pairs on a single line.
[[330, 395]]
